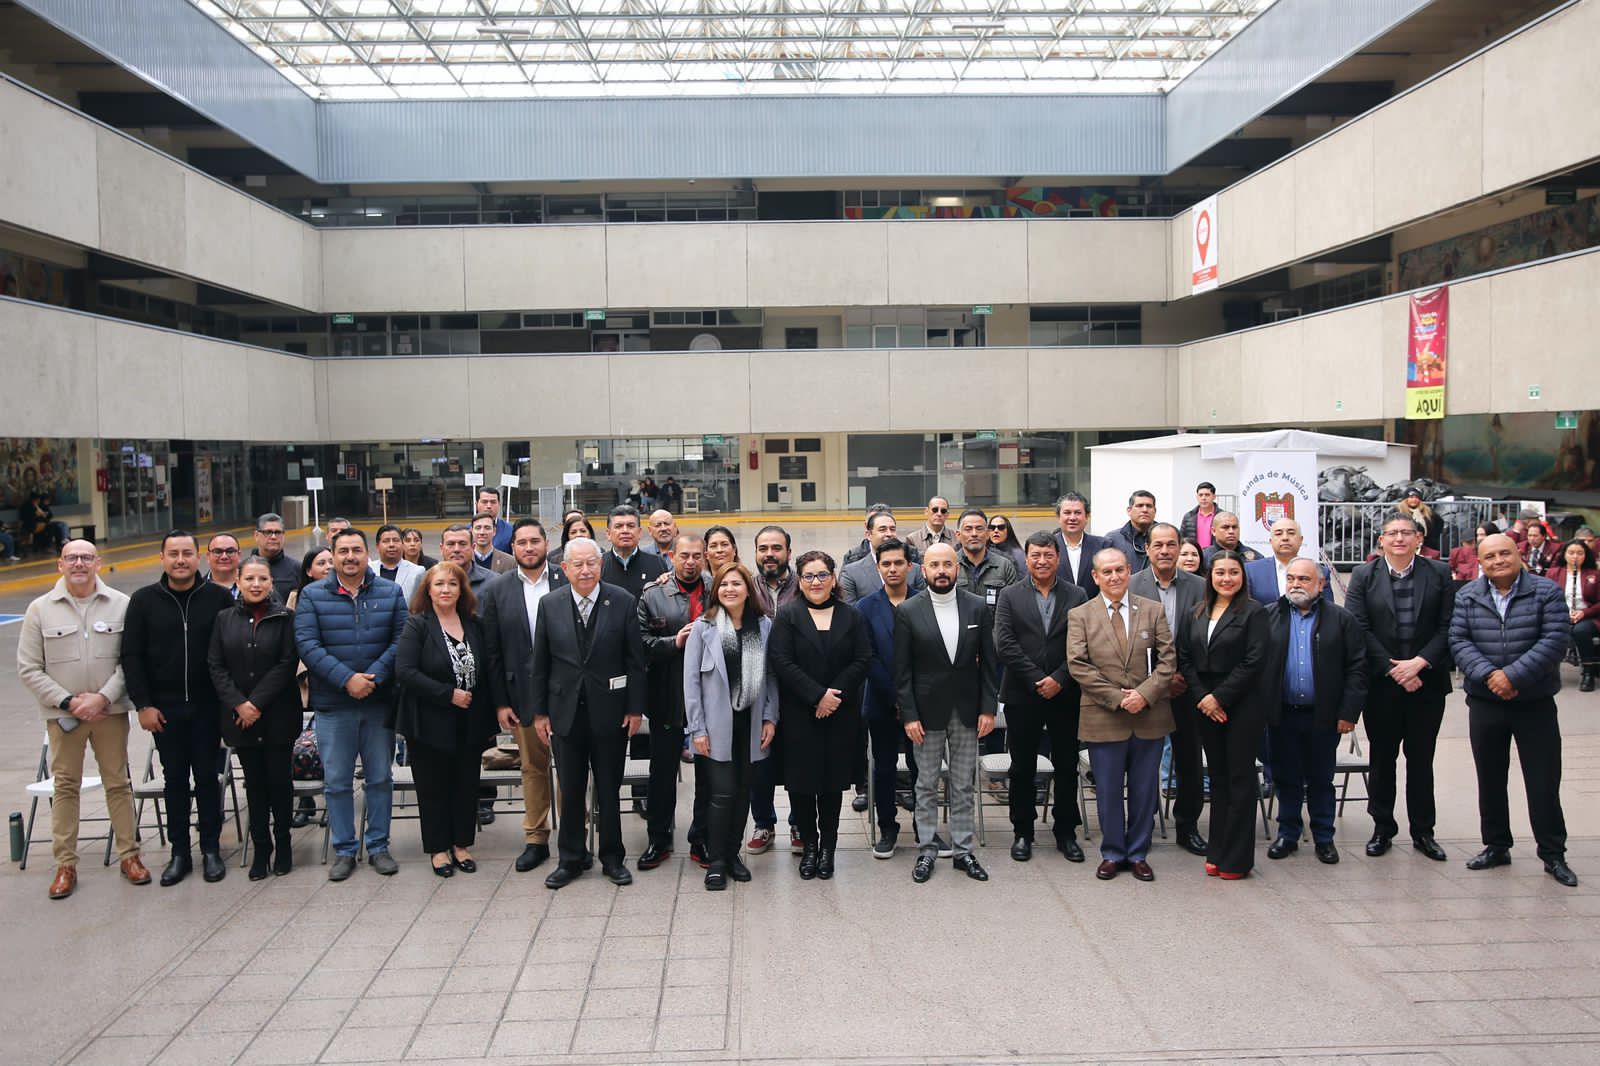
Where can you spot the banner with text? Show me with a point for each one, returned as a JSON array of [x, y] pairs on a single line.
[[1427, 345], [1272, 486], [1203, 246]]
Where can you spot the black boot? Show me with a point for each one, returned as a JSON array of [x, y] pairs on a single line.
[[260, 861], [1587, 684], [282, 855], [825, 864], [808, 862]]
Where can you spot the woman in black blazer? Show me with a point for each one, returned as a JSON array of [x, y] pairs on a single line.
[[444, 712], [1222, 651], [252, 661], [819, 653]]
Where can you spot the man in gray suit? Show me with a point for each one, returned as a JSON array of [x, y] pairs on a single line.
[[1178, 592], [944, 666], [861, 579]]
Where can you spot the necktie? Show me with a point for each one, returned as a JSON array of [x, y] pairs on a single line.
[[584, 607], [1119, 628]]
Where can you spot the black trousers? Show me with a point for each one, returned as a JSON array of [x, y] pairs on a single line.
[[1399, 720], [886, 736], [666, 756], [189, 746], [816, 817], [447, 794], [1493, 724], [1188, 764], [1027, 723], [728, 787], [268, 792], [1231, 749], [1586, 641], [601, 751]]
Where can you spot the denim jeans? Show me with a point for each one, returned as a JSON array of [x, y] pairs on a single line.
[[341, 737]]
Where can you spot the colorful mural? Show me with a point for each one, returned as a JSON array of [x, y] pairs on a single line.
[[1515, 451], [1522, 240], [29, 464]]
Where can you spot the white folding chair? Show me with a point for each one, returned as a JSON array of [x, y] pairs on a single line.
[[995, 769], [43, 787], [152, 789], [1086, 784]]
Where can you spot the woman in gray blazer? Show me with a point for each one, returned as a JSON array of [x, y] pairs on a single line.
[[730, 700]]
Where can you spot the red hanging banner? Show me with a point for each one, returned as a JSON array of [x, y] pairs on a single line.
[[1427, 344]]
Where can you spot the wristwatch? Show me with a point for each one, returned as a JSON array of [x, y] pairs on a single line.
[[65, 703]]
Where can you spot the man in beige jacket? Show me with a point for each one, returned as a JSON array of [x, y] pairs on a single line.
[[70, 657]]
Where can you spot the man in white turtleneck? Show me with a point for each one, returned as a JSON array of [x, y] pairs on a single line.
[[944, 664]]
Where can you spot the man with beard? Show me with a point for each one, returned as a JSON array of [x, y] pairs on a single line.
[[776, 585]]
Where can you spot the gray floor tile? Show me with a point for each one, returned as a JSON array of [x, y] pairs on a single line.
[[469, 1007], [497, 978], [372, 1011], [462, 1040], [152, 1020], [519, 1040], [369, 1045], [121, 1051], [554, 1003], [691, 1032], [203, 1049], [614, 1036], [286, 1048]]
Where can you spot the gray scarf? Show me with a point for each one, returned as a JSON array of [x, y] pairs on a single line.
[[752, 659]]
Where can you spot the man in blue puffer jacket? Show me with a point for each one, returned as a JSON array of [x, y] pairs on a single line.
[[347, 627], [1508, 635]]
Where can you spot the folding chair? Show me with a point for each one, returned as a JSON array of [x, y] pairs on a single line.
[[1352, 760], [1086, 785], [300, 788], [634, 772], [995, 769], [43, 787], [152, 789]]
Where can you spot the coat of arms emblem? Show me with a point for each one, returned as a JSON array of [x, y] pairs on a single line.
[[1272, 507]]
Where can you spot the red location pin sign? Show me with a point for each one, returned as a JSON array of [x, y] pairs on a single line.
[[1202, 235]]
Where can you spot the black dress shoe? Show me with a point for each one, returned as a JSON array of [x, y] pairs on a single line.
[[486, 815], [1071, 849], [808, 862], [260, 865], [825, 864], [1327, 852], [1558, 869], [1378, 845], [969, 865], [859, 804], [738, 871], [1190, 840], [1489, 857], [923, 869], [561, 877], [716, 881], [1429, 847], [532, 856], [466, 866], [300, 818], [447, 870], [1022, 849], [617, 875], [653, 857], [1283, 847], [697, 852], [212, 868]]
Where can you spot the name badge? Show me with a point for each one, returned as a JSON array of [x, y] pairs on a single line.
[[619, 683], [1144, 634], [990, 596], [102, 627]]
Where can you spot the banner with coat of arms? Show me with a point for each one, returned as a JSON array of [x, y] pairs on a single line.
[[1273, 486]]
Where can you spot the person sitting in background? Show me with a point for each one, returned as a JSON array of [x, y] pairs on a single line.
[[1541, 552], [1432, 525], [1464, 557], [1580, 591], [38, 524]]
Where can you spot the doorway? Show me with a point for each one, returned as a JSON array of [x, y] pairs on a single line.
[[792, 473]]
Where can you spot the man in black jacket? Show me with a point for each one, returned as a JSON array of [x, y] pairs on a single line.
[[508, 608], [1318, 668], [165, 641], [666, 613], [1403, 603], [270, 532], [625, 565], [1030, 633], [944, 666], [586, 688]]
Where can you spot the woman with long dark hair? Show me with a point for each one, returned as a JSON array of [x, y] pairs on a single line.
[[730, 701], [1579, 583], [722, 548], [1222, 647], [574, 526], [819, 651], [1003, 539]]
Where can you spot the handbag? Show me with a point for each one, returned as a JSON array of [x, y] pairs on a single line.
[[305, 761]]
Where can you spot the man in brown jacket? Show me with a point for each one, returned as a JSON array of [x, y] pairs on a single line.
[[69, 656], [1120, 652]]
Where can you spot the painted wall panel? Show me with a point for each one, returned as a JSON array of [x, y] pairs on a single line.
[[1408, 135], [219, 238], [1065, 389], [51, 378], [1207, 377], [550, 396], [1331, 205], [810, 264], [707, 265], [1539, 90], [1470, 378], [857, 399], [218, 388], [1097, 260], [1254, 224], [138, 389], [360, 411], [51, 186], [277, 258], [1545, 322], [392, 270], [680, 394], [534, 267], [283, 400], [936, 389], [141, 198], [957, 262], [1341, 360]]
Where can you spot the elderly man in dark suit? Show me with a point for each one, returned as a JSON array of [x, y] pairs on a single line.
[[1403, 602], [944, 673], [586, 689], [1030, 633], [508, 609], [1120, 652], [1318, 673], [1178, 592], [1074, 542]]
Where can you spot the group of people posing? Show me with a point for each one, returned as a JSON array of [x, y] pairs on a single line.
[[792, 673]]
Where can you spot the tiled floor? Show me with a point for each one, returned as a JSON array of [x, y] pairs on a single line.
[[1397, 960]]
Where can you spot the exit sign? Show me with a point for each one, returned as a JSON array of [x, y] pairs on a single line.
[[983, 309], [344, 320], [593, 315], [1566, 420]]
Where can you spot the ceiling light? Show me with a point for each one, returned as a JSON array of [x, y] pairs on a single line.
[[991, 25], [492, 29]]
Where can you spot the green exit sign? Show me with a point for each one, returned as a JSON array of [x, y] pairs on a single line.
[[344, 320], [983, 309], [1566, 420], [594, 315]]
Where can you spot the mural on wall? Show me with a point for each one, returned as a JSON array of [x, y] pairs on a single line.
[[1021, 201], [1516, 451], [33, 279], [1540, 235], [29, 464]]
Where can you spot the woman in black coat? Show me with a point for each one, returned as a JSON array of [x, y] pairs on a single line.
[[819, 653], [1222, 648], [444, 713], [252, 660]]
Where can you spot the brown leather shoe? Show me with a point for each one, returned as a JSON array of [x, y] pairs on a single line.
[[1107, 870], [135, 871], [1142, 871], [66, 880]]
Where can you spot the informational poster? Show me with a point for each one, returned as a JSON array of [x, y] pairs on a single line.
[[1203, 246], [1427, 347], [202, 490], [1272, 486]]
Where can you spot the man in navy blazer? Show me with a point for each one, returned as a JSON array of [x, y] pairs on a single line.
[[1075, 545], [880, 707], [1267, 578]]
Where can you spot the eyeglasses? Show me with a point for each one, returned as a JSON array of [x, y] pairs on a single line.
[[815, 579], [222, 551], [1401, 533], [69, 559], [270, 532]]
